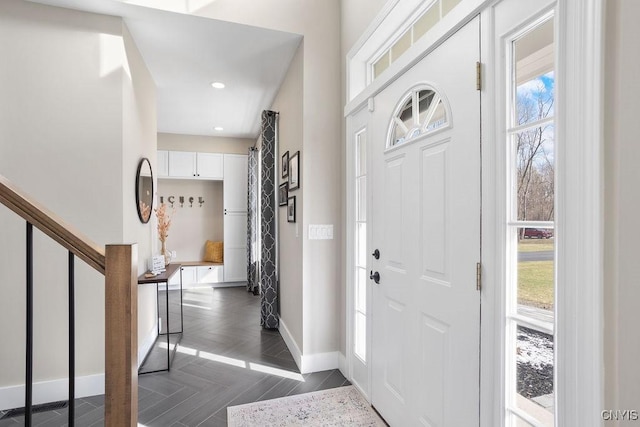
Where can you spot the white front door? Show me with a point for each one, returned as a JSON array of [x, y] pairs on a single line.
[[425, 220]]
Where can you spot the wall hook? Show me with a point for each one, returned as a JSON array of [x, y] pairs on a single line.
[[171, 200], [181, 201], [190, 202], [200, 200]]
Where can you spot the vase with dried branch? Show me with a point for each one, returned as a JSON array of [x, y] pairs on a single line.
[[164, 223]]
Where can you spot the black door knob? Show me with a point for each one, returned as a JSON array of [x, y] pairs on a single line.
[[374, 276], [376, 254]]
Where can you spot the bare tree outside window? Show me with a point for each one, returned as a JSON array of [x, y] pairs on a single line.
[[535, 150]]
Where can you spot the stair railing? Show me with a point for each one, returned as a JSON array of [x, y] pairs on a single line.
[[118, 263]]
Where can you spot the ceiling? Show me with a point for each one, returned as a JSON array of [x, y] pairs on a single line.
[[186, 53]]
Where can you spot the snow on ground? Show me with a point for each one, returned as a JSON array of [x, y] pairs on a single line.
[[534, 348], [535, 363]]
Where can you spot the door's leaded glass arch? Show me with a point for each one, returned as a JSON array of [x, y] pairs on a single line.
[[421, 111]]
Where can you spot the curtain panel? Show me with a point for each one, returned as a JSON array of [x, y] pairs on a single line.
[[268, 221]]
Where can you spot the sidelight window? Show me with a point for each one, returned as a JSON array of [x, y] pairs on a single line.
[[360, 273], [531, 284]]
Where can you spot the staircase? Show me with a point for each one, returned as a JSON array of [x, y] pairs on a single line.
[[119, 265]]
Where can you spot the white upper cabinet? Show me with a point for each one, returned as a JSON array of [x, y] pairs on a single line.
[[187, 164], [182, 164], [163, 164], [235, 183], [209, 166]]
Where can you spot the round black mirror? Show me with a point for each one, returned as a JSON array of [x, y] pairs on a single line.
[[144, 190]]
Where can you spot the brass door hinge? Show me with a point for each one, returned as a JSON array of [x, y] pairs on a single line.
[[478, 276], [478, 76]]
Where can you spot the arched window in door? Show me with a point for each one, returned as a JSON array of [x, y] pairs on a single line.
[[421, 111]]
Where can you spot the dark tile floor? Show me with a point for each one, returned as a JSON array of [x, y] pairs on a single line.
[[224, 359]]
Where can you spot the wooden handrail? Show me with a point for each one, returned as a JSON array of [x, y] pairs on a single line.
[[51, 225]]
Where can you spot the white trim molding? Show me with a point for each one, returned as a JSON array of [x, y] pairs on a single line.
[[580, 236], [147, 344], [492, 332], [291, 343], [309, 362], [342, 365], [318, 362], [51, 391]]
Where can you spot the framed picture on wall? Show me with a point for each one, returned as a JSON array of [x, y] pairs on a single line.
[[291, 209], [285, 165], [294, 171], [283, 194]]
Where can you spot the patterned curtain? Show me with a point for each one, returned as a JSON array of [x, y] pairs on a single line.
[[252, 223], [268, 222]]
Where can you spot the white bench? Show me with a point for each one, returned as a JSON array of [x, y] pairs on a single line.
[[196, 273]]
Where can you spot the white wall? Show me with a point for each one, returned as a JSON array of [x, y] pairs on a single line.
[[289, 103], [139, 140], [357, 15], [622, 205], [60, 133], [319, 22], [204, 144], [63, 96]]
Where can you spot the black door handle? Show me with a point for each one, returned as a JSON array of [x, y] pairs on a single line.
[[374, 276], [376, 254]]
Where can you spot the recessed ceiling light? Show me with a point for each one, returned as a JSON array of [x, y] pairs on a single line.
[[218, 128], [218, 85]]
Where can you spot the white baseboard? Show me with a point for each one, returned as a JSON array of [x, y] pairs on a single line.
[[291, 344], [162, 286], [320, 362], [342, 365], [227, 285], [308, 363], [51, 391], [147, 344]]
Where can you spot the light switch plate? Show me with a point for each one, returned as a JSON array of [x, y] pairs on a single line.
[[320, 231]]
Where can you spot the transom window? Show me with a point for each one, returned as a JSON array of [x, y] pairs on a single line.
[[425, 22], [420, 112]]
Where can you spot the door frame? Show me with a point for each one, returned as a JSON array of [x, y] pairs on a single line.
[[352, 130], [580, 202]]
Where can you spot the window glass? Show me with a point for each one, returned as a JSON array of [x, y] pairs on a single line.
[[531, 280], [401, 45], [536, 250], [438, 118], [533, 74], [534, 383], [535, 173], [361, 200], [421, 111], [360, 346], [425, 98], [381, 65]]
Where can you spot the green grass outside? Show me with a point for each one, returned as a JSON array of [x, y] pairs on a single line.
[[535, 284], [535, 245]]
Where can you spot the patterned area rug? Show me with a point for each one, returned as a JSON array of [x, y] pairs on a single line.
[[342, 406]]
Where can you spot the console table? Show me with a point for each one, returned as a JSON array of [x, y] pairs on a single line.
[[165, 277]]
